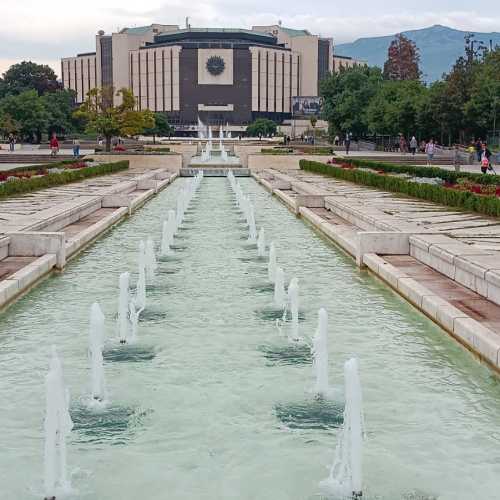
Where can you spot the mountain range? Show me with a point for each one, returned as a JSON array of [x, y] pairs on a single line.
[[439, 47]]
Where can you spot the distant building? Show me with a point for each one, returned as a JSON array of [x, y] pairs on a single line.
[[340, 62], [219, 75]]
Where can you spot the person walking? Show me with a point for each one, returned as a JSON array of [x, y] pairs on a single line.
[[413, 145], [479, 149], [347, 143], [457, 158], [54, 145], [336, 141], [402, 144], [430, 149], [12, 142], [76, 147], [485, 158]]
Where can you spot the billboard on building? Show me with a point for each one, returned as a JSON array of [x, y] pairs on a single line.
[[306, 106]]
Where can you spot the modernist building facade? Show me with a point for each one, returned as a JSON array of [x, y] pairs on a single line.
[[218, 75]]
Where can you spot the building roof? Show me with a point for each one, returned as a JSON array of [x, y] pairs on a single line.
[[139, 30], [215, 34], [293, 32]]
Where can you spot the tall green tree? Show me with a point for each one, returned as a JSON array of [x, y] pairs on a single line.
[[103, 118], [262, 127], [28, 75], [395, 108], [161, 127], [483, 107], [27, 109], [60, 106], [346, 96]]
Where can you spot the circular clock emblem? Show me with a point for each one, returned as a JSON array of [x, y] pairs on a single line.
[[216, 65]]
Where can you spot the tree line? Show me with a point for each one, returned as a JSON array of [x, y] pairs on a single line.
[[462, 106], [33, 104]]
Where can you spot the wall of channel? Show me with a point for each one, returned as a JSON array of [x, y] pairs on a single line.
[[368, 239], [35, 251]]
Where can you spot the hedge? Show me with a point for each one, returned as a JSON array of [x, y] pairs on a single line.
[[277, 151], [487, 205], [19, 186], [45, 166], [420, 171]]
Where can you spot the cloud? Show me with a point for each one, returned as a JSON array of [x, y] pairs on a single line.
[[31, 31]]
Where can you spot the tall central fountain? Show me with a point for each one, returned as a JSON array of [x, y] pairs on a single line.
[[213, 153]]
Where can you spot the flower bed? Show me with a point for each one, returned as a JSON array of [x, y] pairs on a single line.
[[39, 178], [463, 192]]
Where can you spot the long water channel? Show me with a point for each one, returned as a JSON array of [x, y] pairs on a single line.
[[213, 403]]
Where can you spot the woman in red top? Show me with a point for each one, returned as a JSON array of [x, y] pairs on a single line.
[[54, 145]]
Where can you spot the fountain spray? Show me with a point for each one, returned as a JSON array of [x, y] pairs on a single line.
[[140, 294], [346, 477], [279, 288], [293, 301], [123, 306], [151, 264], [96, 342], [165, 240], [57, 426], [320, 353], [252, 229], [261, 243], [271, 267]]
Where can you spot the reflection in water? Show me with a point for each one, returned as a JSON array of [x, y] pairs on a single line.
[[313, 414], [110, 424], [152, 316], [133, 353], [289, 354]]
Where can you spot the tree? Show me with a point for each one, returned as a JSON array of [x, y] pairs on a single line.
[[394, 109], [107, 120], [403, 60], [483, 107], [262, 127], [28, 75], [346, 96], [8, 125], [28, 111], [161, 127], [60, 106]]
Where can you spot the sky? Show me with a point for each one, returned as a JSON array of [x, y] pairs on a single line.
[[46, 31]]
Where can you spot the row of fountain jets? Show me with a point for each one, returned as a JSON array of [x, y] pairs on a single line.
[[58, 423], [345, 478], [206, 152]]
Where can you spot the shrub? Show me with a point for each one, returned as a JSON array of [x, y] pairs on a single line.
[[488, 205], [19, 186], [449, 176]]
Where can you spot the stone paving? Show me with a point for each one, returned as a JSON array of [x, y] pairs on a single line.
[[474, 229], [19, 212]]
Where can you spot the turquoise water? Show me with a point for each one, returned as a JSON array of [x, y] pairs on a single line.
[[213, 404]]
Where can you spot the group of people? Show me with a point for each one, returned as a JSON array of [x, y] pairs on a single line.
[[54, 146]]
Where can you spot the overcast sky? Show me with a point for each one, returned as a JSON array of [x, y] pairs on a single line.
[[46, 31]]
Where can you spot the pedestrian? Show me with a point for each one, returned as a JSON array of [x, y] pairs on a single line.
[[479, 149], [402, 144], [76, 147], [336, 140], [347, 143], [485, 158], [413, 145], [430, 149], [457, 158], [54, 145], [12, 142]]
